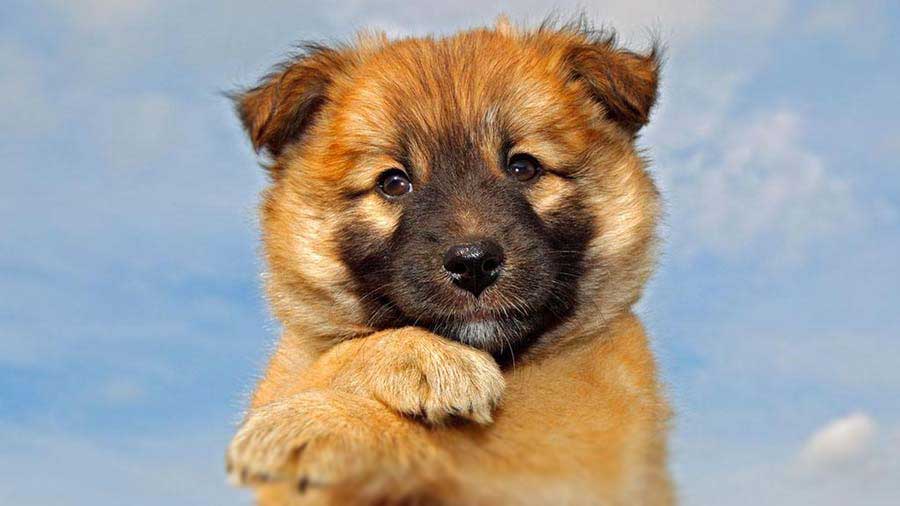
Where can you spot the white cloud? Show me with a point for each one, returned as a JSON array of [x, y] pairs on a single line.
[[848, 461], [839, 443]]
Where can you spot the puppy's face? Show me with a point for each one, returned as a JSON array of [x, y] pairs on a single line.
[[484, 186]]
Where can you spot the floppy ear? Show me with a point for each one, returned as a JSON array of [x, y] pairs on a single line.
[[282, 107], [623, 81]]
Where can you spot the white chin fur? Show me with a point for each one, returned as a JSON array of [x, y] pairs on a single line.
[[480, 334]]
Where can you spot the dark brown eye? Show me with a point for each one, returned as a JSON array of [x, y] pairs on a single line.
[[523, 167], [394, 183]]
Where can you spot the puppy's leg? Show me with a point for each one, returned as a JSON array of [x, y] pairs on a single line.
[[323, 439], [340, 422], [416, 373]]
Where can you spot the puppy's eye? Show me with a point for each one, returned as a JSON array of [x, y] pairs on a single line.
[[394, 183], [523, 167]]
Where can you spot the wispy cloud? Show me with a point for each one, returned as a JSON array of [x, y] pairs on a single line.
[[756, 182]]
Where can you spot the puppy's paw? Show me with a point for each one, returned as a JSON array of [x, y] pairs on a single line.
[[319, 439], [420, 374]]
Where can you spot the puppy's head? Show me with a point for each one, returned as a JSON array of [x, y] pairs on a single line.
[[484, 186]]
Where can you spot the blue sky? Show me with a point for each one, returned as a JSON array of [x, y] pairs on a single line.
[[131, 320]]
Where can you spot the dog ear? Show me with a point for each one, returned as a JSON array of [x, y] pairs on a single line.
[[282, 107], [624, 82]]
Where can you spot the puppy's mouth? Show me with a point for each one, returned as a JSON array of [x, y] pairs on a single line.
[[492, 305]]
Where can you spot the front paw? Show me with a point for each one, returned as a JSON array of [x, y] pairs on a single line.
[[317, 439], [420, 374]]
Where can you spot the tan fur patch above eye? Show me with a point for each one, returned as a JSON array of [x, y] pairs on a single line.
[[550, 193], [361, 171]]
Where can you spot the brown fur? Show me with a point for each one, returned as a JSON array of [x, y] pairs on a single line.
[[353, 414]]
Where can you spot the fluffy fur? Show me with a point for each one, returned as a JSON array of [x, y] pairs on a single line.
[[390, 385]]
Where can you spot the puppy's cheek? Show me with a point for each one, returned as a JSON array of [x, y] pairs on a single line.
[[625, 212], [316, 257], [365, 241]]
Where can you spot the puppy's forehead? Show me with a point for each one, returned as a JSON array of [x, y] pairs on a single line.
[[417, 95]]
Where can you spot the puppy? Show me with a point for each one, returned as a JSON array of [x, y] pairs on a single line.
[[455, 231]]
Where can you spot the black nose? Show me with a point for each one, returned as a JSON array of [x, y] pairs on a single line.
[[474, 266]]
